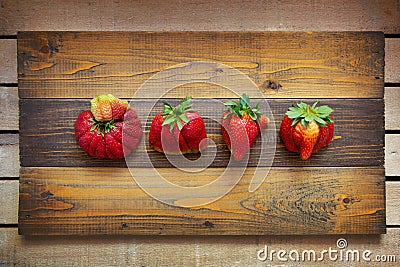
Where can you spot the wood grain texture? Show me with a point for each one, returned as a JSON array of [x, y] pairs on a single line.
[[16, 250], [108, 201], [392, 110], [47, 136], [8, 61], [9, 202], [9, 155], [392, 60], [393, 203], [9, 108], [8, 48], [9, 191], [342, 15], [392, 154], [321, 65]]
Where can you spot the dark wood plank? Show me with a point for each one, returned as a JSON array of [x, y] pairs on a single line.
[[224, 15], [312, 64], [47, 135], [108, 201]]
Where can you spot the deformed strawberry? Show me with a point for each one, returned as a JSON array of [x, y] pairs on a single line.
[[306, 129], [240, 126], [178, 129], [101, 136]]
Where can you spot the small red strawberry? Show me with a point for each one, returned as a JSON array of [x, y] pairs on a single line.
[[307, 129], [240, 126], [103, 138], [178, 130]]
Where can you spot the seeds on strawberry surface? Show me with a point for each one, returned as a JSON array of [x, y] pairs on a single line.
[[178, 129], [306, 129], [101, 135], [240, 126]]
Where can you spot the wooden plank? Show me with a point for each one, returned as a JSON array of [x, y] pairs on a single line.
[[392, 154], [312, 64], [9, 202], [8, 61], [392, 60], [85, 201], [393, 203], [47, 135], [9, 155], [16, 250], [9, 108], [392, 110], [201, 15], [177, 251], [9, 191]]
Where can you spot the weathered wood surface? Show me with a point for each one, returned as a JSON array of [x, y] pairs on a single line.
[[392, 108], [9, 155], [236, 15], [392, 68], [313, 64], [108, 201], [8, 61], [393, 203], [10, 192], [392, 60], [9, 108], [392, 154], [17, 250], [47, 136], [9, 202]]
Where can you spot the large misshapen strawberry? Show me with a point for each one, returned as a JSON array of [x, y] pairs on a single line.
[[178, 129], [103, 138], [306, 129], [240, 126]]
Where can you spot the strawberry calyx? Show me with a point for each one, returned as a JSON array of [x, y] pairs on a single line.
[[103, 127], [176, 115], [305, 114], [242, 107]]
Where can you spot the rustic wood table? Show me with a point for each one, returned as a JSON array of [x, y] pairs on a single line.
[[303, 16]]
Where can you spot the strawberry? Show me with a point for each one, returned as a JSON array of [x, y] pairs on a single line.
[[307, 129], [102, 138], [178, 129], [240, 126]]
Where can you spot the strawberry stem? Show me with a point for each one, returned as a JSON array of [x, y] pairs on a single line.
[[242, 107], [305, 114], [102, 127], [176, 115]]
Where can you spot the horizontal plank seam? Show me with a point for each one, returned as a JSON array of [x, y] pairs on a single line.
[[9, 84]]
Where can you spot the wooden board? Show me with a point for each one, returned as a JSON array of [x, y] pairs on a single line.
[[339, 190]]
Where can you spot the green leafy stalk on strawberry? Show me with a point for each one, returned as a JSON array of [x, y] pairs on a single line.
[[240, 126], [306, 129]]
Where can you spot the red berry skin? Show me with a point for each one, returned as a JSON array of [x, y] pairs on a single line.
[[110, 144], [286, 133], [185, 141], [297, 138], [239, 134]]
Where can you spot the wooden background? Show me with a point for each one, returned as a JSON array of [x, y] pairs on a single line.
[[366, 15]]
